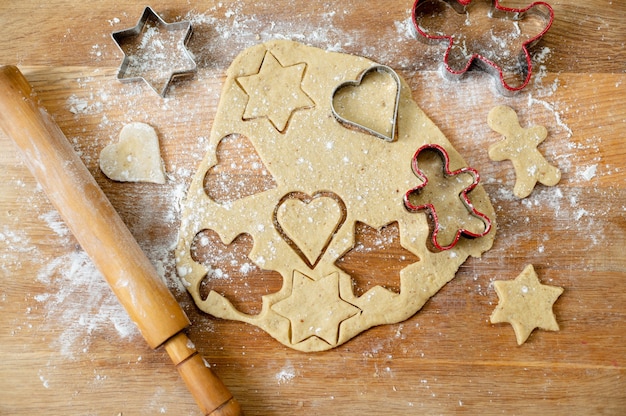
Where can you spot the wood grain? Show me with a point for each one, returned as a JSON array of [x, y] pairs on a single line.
[[66, 347]]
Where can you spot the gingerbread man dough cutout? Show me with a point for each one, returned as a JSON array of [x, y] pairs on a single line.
[[520, 147]]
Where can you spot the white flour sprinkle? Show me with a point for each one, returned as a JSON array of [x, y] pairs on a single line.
[[551, 107], [80, 300], [405, 29], [286, 374], [589, 173], [54, 221]]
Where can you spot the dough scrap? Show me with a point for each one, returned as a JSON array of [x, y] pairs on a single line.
[[520, 147], [526, 304], [287, 117], [135, 157]]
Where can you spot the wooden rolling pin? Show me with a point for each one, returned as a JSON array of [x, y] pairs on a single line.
[[106, 239]]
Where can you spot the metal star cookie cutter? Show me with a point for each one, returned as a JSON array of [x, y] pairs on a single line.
[[463, 197], [424, 10], [134, 69], [356, 83]]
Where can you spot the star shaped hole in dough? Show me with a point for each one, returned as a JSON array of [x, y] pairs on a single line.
[[526, 304], [315, 308], [384, 249], [275, 92]]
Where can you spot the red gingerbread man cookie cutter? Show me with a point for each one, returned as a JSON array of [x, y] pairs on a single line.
[[486, 57], [430, 206]]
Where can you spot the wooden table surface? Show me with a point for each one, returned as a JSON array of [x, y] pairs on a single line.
[[67, 347]]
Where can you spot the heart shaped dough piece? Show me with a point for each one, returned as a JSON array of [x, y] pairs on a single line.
[[310, 223], [135, 157]]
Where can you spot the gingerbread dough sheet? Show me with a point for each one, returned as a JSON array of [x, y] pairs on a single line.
[[326, 178]]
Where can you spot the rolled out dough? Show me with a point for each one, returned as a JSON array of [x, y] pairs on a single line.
[[278, 96]]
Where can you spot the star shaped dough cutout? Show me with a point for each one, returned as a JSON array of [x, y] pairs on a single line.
[[526, 304], [155, 51], [275, 92], [315, 308]]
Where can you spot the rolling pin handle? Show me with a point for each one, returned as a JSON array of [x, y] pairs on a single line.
[[217, 401]]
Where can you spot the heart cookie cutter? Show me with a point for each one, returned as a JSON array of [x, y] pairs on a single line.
[[292, 240], [463, 197], [355, 83], [149, 16], [428, 9]]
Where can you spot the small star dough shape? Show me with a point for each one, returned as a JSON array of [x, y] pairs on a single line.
[[520, 147], [526, 304], [315, 308], [135, 157], [275, 92]]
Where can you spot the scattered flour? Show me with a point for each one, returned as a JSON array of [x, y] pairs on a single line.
[[286, 374], [81, 301], [56, 224], [551, 107], [44, 380], [16, 245], [589, 172], [76, 301], [405, 29]]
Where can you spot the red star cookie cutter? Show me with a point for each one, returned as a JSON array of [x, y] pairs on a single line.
[[429, 206], [428, 9]]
